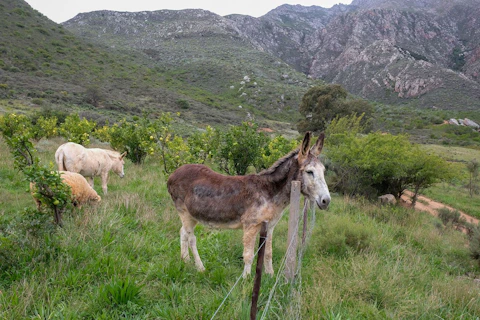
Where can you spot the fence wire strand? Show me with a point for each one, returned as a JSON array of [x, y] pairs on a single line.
[[293, 309], [238, 280]]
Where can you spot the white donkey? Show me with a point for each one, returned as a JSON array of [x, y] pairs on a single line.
[[89, 162]]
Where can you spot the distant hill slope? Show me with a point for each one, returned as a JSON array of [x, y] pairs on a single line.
[[211, 80], [423, 52]]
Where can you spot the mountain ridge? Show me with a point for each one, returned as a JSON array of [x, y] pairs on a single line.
[[382, 50]]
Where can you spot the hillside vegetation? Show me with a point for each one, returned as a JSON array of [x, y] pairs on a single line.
[[45, 65], [362, 261]]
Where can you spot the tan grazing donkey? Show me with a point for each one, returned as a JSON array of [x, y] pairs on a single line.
[[202, 195], [82, 192], [89, 162]]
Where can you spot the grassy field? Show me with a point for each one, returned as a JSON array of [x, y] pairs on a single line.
[[121, 259], [455, 194]]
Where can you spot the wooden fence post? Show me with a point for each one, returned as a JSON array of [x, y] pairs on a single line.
[[291, 261], [306, 204], [258, 271]]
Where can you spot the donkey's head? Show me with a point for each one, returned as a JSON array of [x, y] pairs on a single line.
[[118, 163], [312, 172]]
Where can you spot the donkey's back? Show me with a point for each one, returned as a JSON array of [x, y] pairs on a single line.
[[74, 157], [210, 197]]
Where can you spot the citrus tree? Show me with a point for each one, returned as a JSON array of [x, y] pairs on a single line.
[[136, 136], [241, 147], [48, 187], [77, 130]]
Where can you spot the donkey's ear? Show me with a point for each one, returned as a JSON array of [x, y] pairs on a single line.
[[302, 154], [317, 148], [123, 155]]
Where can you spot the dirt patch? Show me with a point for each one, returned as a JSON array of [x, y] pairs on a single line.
[[428, 205]]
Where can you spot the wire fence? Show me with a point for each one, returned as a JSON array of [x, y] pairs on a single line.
[[284, 298], [292, 292]]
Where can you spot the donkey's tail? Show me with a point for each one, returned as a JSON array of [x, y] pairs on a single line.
[[59, 159]]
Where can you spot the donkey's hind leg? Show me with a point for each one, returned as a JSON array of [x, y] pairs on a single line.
[[188, 239], [249, 236]]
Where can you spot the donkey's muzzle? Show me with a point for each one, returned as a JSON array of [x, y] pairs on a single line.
[[323, 202]]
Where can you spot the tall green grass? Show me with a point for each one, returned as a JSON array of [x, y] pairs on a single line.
[[121, 259]]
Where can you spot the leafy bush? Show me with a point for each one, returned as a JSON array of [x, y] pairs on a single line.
[[103, 133], [241, 147], [204, 145], [322, 104], [382, 163], [49, 188], [174, 153], [275, 149], [136, 137], [474, 245], [183, 104], [448, 216], [77, 130], [45, 128]]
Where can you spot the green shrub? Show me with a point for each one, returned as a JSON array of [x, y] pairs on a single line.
[[378, 163], [137, 137], [183, 104], [49, 188], [474, 244], [448, 216], [45, 128], [77, 130], [204, 145], [275, 149], [241, 147]]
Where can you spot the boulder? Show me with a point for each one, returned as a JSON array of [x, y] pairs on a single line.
[[387, 199], [453, 121], [471, 123]]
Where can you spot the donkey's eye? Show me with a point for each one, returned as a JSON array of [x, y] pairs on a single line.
[[309, 172]]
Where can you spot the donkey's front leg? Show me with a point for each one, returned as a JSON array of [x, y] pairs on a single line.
[[90, 181], [249, 236], [104, 182], [268, 252]]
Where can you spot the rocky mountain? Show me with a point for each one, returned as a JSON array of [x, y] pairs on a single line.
[[422, 52]]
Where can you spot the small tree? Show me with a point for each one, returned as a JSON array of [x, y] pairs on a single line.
[[473, 167], [49, 188], [77, 130], [275, 149], [321, 104], [137, 137], [377, 164], [204, 145], [423, 170], [45, 128], [93, 96], [241, 147]]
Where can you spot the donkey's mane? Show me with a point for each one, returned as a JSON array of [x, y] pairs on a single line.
[[273, 170], [112, 153]]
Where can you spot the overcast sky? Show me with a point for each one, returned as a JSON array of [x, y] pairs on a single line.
[[63, 10]]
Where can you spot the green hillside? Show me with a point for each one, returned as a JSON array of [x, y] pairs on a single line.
[[45, 65]]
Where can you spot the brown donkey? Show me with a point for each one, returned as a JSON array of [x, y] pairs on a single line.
[[220, 201]]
